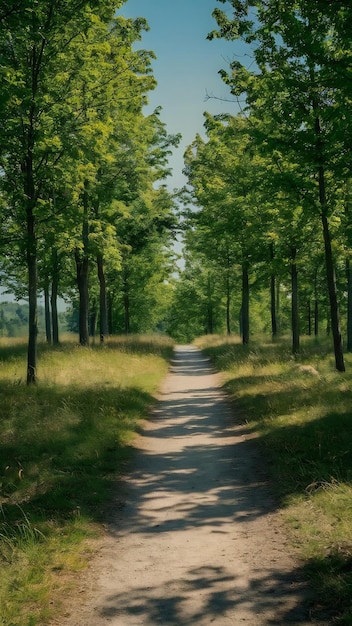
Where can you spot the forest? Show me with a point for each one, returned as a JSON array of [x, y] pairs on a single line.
[[264, 218], [94, 292]]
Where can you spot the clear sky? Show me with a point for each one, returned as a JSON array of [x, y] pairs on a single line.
[[186, 67]]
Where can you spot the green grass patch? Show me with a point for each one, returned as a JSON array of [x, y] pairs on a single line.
[[63, 444], [301, 411]]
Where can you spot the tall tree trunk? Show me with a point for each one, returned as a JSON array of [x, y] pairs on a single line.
[[278, 305], [54, 313], [316, 305], [309, 318], [32, 269], [349, 304], [47, 313], [110, 304], [228, 303], [93, 318], [294, 303], [103, 307], [82, 267], [330, 272], [245, 304], [54, 296], [210, 314], [32, 293], [329, 261], [126, 301], [273, 294], [316, 317], [82, 283]]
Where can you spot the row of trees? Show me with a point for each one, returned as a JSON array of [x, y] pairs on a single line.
[[81, 215], [273, 183]]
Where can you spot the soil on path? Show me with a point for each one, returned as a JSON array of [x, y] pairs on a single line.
[[199, 539]]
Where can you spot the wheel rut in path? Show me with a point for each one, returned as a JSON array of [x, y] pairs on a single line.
[[198, 540]]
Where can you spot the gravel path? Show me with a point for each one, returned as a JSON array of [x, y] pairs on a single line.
[[198, 540]]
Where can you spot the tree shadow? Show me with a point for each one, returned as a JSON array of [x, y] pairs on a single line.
[[209, 594]]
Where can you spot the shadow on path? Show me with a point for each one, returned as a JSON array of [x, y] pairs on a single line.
[[198, 540]]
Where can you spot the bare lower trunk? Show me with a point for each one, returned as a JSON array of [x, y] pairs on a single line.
[[32, 319], [110, 304], [294, 304], [245, 304], [31, 268], [54, 312], [93, 319], [47, 314], [82, 267], [309, 318], [228, 305], [349, 305], [273, 296], [126, 301], [82, 283], [210, 315], [330, 273], [103, 307], [329, 261]]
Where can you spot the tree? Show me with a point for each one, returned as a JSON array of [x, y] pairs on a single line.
[[293, 88], [227, 175], [34, 47]]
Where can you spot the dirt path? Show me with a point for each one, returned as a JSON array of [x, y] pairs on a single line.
[[198, 541]]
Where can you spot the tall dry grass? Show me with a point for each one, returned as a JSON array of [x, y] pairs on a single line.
[[63, 444]]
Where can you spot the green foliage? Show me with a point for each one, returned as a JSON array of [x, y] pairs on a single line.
[[79, 158]]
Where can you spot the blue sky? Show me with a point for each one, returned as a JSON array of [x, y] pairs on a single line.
[[186, 67]]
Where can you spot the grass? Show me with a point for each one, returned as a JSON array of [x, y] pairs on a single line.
[[301, 411], [63, 443]]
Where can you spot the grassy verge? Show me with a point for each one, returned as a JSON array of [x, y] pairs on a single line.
[[302, 414], [63, 443]]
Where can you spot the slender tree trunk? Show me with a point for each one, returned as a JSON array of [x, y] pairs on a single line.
[[273, 295], [126, 301], [245, 304], [82, 267], [330, 272], [110, 304], [32, 320], [329, 261], [93, 319], [309, 318], [316, 317], [54, 296], [47, 313], [103, 307], [228, 303], [29, 190], [210, 315], [294, 303], [82, 283], [316, 305], [54, 312], [278, 305], [349, 304]]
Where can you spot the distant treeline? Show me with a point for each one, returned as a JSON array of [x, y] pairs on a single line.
[[14, 319]]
